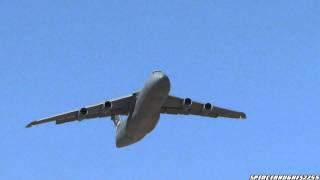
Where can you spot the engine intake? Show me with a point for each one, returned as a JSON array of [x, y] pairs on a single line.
[[187, 102], [107, 104], [83, 111], [207, 107]]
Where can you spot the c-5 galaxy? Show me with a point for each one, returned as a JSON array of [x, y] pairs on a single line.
[[143, 109]]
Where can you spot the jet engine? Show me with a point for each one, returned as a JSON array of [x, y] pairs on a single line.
[[83, 111], [187, 102], [207, 107], [108, 105]]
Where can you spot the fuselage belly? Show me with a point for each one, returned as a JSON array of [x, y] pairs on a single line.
[[146, 113]]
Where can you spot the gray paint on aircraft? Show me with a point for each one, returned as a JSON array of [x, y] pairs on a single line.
[[143, 109]]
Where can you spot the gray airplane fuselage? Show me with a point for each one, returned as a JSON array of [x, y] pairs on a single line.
[[146, 112]]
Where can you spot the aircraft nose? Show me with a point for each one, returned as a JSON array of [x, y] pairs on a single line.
[[162, 79]]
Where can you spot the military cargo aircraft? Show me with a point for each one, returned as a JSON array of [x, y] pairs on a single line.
[[143, 109]]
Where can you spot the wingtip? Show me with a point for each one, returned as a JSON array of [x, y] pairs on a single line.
[[29, 125], [243, 116]]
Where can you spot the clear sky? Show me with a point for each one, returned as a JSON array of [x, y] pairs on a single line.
[[260, 57]]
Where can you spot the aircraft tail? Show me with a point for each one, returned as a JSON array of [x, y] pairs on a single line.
[[116, 120]]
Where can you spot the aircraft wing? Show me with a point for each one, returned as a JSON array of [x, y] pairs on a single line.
[[120, 106], [176, 105]]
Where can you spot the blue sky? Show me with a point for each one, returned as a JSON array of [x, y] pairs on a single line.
[[260, 57]]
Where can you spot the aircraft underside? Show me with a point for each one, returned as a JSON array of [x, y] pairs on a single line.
[[143, 109]]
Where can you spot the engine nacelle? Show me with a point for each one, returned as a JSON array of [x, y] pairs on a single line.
[[83, 111], [108, 104], [187, 102], [207, 107]]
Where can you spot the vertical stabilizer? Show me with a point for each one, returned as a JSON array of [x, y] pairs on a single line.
[[116, 120]]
